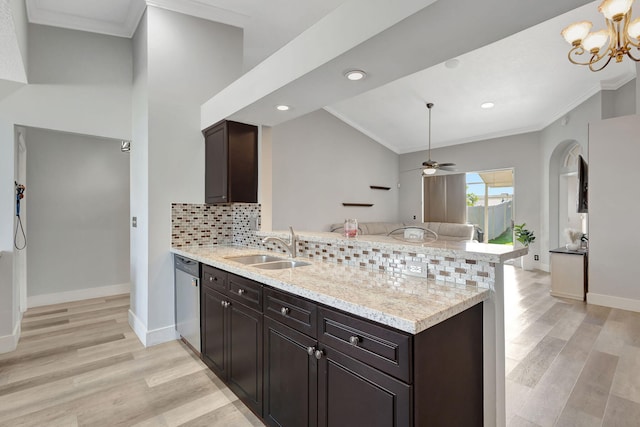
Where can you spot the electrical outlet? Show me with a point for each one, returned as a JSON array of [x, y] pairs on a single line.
[[253, 223], [134, 221], [414, 217], [536, 258], [415, 268]]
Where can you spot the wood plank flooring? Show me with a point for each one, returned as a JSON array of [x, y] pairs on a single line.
[[568, 363], [80, 364]]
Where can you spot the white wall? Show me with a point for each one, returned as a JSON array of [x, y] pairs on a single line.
[[613, 234], [520, 152], [20, 22], [74, 99], [188, 60], [320, 162], [554, 140], [78, 193], [139, 176]]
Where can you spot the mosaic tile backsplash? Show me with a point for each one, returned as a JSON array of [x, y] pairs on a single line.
[[204, 225]]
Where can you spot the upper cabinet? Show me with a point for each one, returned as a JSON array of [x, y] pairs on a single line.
[[231, 168]]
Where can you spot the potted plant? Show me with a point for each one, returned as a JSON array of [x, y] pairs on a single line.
[[526, 237]]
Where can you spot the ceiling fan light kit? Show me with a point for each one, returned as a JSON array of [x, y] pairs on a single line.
[[620, 38], [431, 166]]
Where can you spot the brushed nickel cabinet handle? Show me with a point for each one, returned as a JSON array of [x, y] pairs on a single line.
[[284, 311], [354, 340]]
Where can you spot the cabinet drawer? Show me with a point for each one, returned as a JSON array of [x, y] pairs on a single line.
[[245, 291], [375, 345], [293, 311], [214, 278]]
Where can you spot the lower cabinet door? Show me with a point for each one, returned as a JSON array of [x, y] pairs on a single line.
[[351, 393], [245, 355], [290, 377], [214, 325]]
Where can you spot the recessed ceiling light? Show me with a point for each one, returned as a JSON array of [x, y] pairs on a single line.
[[282, 107], [355, 75], [487, 105]]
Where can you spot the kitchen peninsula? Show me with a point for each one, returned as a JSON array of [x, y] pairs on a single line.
[[361, 283]]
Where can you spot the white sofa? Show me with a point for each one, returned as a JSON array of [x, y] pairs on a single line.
[[446, 231]]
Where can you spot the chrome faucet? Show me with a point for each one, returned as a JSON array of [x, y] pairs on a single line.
[[291, 246]]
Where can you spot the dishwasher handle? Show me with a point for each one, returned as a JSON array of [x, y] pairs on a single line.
[[195, 282]]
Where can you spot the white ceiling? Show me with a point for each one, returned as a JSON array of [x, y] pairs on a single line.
[[526, 75]]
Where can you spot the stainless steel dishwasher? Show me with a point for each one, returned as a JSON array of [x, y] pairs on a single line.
[[187, 283]]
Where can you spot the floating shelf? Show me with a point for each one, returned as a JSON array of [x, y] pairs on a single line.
[[366, 205], [379, 187]]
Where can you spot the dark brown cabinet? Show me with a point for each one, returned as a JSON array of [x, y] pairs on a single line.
[[232, 333], [351, 393], [231, 163], [290, 376], [295, 362]]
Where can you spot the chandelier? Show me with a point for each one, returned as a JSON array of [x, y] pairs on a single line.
[[620, 37]]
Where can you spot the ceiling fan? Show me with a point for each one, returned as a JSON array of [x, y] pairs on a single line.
[[431, 166]]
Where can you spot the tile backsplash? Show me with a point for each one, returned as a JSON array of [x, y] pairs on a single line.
[[204, 225]]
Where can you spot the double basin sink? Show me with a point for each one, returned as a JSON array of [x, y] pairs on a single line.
[[267, 262]]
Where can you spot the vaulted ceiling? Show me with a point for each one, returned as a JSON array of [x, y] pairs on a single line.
[[525, 74]]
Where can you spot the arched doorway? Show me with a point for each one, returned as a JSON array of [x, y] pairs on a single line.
[[563, 182]]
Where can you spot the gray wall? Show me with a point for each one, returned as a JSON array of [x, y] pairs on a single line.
[[520, 152], [78, 215], [184, 61], [320, 162], [613, 208], [74, 103], [620, 102]]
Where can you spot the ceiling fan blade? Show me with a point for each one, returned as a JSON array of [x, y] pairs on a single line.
[[448, 168], [447, 164], [430, 163]]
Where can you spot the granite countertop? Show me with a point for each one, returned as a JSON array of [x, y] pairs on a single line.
[[469, 249], [406, 303]]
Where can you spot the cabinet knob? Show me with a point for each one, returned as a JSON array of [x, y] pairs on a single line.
[[222, 303], [284, 311], [354, 340], [319, 354], [211, 278], [225, 304], [311, 351], [241, 291]]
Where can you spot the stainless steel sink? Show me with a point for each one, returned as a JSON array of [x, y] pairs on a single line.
[[280, 265], [254, 259]]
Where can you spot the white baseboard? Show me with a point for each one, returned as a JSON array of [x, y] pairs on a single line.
[[10, 342], [153, 337], [614, 302], [78, 295]]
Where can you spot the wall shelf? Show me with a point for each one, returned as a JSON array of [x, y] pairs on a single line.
[[366, 205], [379, 187]]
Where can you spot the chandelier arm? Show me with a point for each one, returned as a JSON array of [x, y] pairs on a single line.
[[596, 61], [577, 50], [631, 56]]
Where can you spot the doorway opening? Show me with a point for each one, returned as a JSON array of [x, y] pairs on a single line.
[[490, 205]]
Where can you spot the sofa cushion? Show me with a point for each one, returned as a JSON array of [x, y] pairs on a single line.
[[450, 231]]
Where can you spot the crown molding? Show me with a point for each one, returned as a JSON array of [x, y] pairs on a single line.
[[204, 10], [38, 14], [362, 130]]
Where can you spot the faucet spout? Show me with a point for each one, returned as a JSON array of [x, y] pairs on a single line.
[[291, 246]]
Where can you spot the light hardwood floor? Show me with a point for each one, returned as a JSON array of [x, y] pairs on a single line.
[[79, 364], [568, 363]]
